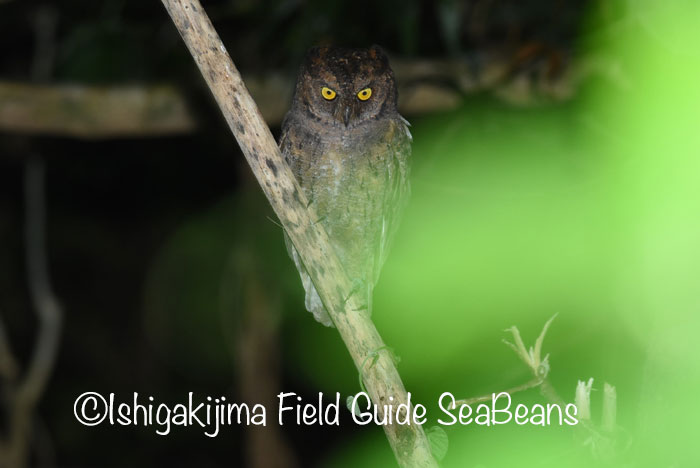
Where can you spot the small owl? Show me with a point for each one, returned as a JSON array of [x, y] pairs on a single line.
[[349, 150]]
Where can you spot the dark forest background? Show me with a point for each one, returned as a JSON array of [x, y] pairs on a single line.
[[158, 242]]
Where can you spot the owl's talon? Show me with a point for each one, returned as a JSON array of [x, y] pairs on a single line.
[[347, 298], [373, 357], [356, 287]]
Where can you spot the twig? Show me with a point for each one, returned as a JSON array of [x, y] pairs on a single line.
[[532, 357], [382, 380], [609, 420], [470, 401], [539, 367], [8, 363], [45, 304], [49, 314], [23, 398]]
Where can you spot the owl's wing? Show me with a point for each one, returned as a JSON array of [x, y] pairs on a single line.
[[312, 300], [397, 190]]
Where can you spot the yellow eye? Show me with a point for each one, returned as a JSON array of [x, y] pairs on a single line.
[[327, 93], [364, 94]]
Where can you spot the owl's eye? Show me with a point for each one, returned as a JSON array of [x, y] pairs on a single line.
[[327, 93], [364, 94]]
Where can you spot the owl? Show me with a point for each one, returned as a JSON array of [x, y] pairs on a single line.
[[349, 150]]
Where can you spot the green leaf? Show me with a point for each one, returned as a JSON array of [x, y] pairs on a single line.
[[438, 441]]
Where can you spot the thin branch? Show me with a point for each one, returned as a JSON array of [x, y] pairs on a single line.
[[470, 401], [29, 390], [45, 21], [45, 304], [8, 363], [361, 338], [22, 400], [532, 358], [609, 419], [539, 367]]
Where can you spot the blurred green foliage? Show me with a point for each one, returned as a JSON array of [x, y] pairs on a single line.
[[194, 293], [587, 209]]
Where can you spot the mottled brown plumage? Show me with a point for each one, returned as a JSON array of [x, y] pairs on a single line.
[[349, 150]]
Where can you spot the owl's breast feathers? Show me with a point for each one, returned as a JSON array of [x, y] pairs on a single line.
[[358, 185]]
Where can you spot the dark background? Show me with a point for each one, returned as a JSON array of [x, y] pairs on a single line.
[[114, 206]]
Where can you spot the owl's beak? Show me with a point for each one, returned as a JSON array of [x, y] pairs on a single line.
[[346, 115]]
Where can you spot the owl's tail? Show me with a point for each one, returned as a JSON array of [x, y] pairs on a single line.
[[312, 300]]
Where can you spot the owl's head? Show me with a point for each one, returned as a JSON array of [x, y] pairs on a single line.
[[346, 87]]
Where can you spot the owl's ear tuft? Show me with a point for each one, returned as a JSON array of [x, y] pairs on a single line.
[[315, 54], [377, 53]]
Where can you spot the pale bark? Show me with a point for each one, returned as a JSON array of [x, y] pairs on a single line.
[[361, 338]]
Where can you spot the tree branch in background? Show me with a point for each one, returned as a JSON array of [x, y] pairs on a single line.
[[22, 397], [251, 316], [49, 314], [148, 110], [93, 111], [361, 338], [8, 363]]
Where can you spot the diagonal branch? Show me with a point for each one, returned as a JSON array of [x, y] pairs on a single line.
[[361, 338]]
